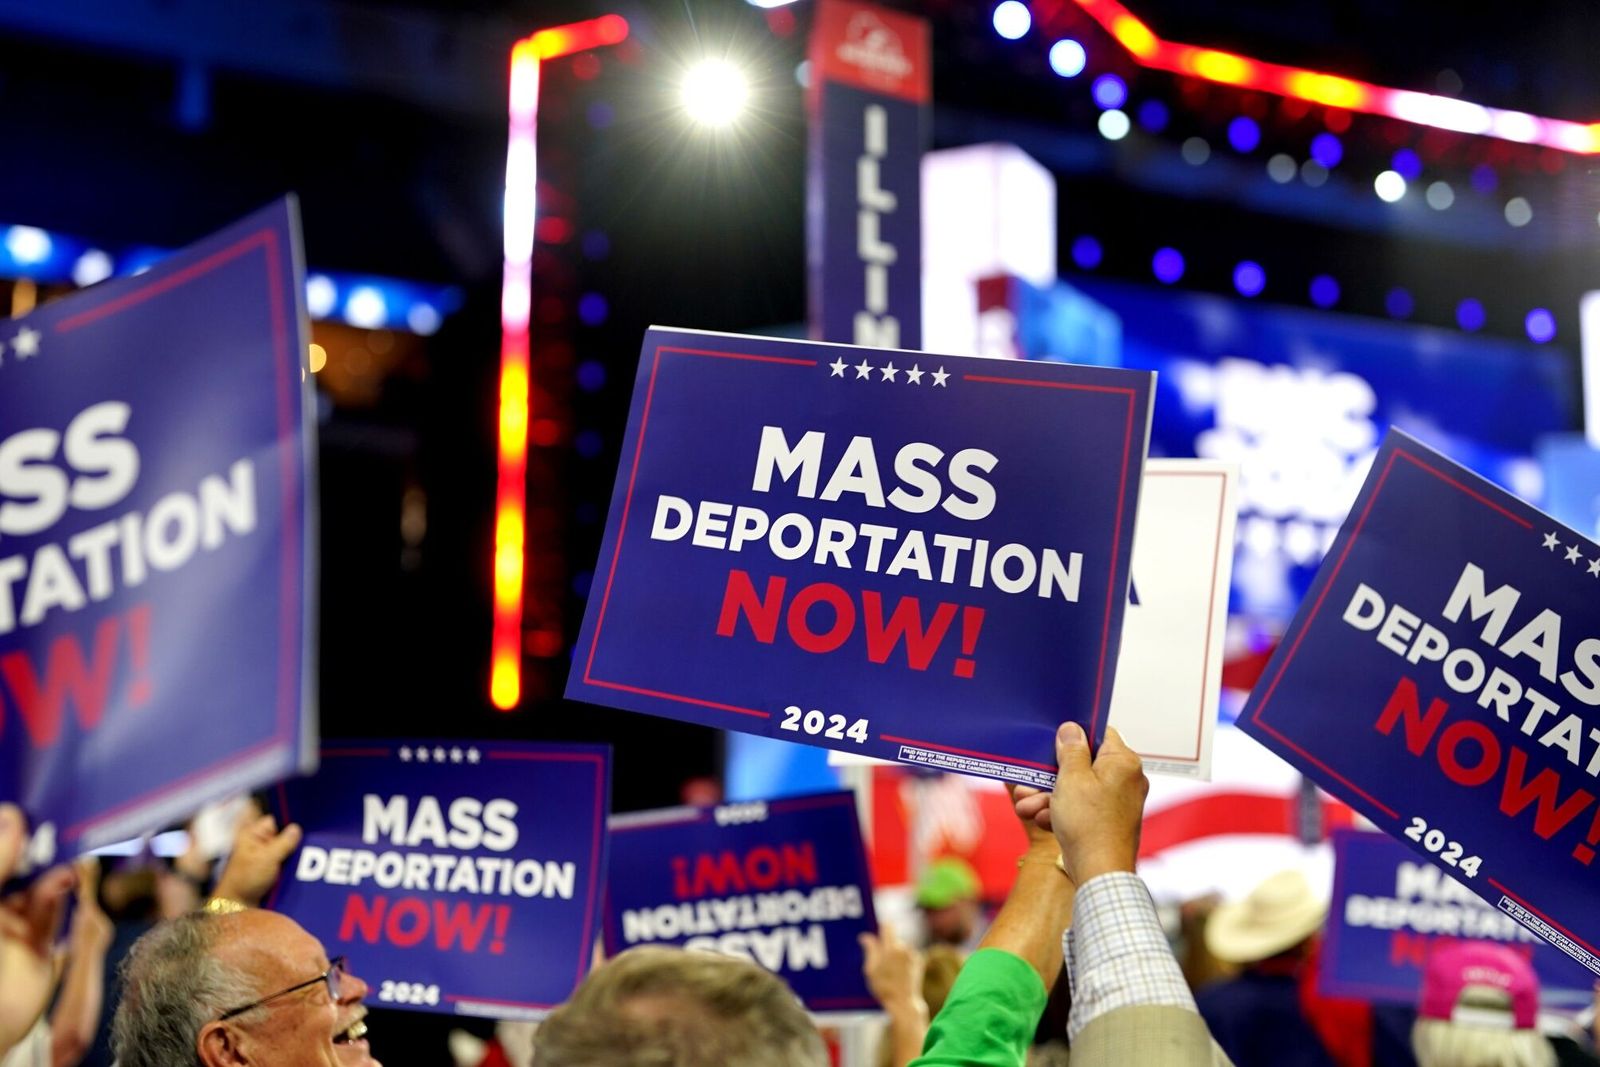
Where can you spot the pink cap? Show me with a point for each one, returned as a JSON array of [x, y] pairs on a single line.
[[1453, 968]]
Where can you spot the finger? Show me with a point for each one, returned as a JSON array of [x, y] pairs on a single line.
[[45, 902], [285, 842], [869, 950], [1028, 807], [13, 834], [1042, 820], [1072, 750], [88, 872]]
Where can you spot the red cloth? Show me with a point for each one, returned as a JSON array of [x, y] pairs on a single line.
[[1345, 1026]]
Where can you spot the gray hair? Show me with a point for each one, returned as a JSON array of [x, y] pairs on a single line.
[[664, 1007], [172, 985]]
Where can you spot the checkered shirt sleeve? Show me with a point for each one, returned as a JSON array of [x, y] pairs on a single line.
[[1117, 955]]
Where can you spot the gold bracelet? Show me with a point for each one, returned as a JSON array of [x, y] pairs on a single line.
[[224, 906], [1060, 864]]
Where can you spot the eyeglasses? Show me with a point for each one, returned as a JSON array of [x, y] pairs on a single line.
[[333, 976]]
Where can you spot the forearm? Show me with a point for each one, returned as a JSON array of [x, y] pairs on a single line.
[[1119, 954], [908, 1029], [76, 1016], [1037, 910]]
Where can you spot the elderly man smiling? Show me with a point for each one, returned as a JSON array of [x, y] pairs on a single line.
[[234, 986]]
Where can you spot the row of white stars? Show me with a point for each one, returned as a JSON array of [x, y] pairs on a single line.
[[888, 372], [438, 755], [25, 344], [1574, 554]]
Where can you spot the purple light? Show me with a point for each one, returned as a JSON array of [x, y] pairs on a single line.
[[1470, 315], [596, 245], [1168, 265], [1012, 20], [592, 309], [581, 583], [1541, 326], [591, 376], [601, 114], [1244, 134], [1153, 115], [1327, 150], [1109, 91], [1399, 303], [1484, 178], [1086, 252], [1406, 163], [1324, 291], [1249, 278], [589, 443]]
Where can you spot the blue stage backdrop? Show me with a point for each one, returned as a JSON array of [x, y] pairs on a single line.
[[908, 556], [1443, 678], [783, 883], [1299, 398], [156, 603]]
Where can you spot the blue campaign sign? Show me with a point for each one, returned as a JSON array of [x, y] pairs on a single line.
[[1443, 678], [1391, 910], [902, 555], [781, 882], [458, 877], [155, 598]]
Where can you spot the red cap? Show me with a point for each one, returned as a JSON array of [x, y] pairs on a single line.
[[1453, 968]]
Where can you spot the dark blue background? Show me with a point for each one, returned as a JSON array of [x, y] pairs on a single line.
[[641, 877]]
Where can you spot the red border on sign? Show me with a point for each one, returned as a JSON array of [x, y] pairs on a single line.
[[289, 621], [627, 505]]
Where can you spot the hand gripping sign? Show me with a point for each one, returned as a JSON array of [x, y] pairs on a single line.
[[155, 606], [1391, 910], [915, 557], [1443, 678], [780, 882], [458, 877]]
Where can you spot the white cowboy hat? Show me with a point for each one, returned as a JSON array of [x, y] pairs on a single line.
[[1277, 915]]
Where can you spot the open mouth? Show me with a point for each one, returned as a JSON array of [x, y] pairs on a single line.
[[354, 1032]]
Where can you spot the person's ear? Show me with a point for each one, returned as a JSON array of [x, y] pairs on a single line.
[[218, 1046]]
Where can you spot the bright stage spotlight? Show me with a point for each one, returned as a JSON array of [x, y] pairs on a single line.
[[714, 92]]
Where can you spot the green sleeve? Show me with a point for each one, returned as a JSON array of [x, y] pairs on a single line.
[[990, 1016]]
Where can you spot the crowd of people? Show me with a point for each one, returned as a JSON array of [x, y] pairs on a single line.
[[1074, 967]]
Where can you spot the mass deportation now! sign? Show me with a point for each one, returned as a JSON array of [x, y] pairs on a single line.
[[155, 536], [915, 557], [782, 883], [1443, 677], [458, 877]]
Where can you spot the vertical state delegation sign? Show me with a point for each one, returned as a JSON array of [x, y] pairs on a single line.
[[1443, 678], [155, 603], [459, 877], [915, 557], [867, 107]]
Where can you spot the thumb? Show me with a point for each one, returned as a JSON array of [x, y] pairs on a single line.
[[1072, 749]]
